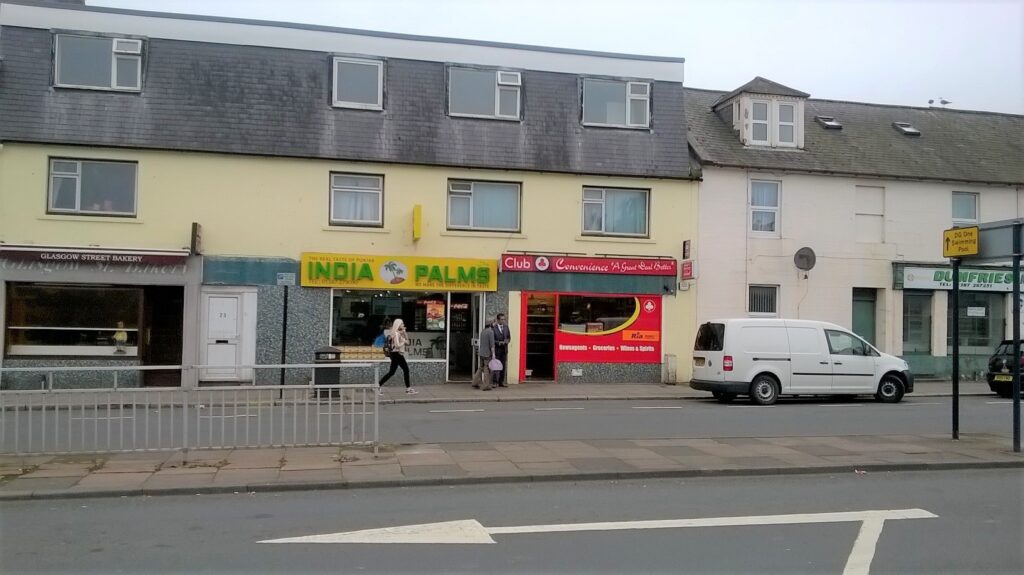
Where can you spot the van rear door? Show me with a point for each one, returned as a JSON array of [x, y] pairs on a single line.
[[707, 352]]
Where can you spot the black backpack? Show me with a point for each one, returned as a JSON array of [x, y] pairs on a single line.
[[388, 346]]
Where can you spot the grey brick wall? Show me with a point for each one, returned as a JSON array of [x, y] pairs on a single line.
[[270, 101]]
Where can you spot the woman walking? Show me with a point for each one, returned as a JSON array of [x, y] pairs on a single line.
[[398, 341]]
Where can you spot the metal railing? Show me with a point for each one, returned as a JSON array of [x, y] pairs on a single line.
[[54, 421]]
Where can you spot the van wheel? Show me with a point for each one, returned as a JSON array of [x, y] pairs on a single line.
[[890, 389], [764, 390], [723, 396]]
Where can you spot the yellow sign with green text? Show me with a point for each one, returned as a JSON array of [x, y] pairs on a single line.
[[960, 242], [397, 273]]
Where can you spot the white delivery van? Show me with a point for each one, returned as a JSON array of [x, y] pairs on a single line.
[[766, 358]]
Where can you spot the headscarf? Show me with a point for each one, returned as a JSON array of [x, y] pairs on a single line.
[[398, 332]]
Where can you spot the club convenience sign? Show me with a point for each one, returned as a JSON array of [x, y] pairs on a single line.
[[397, 272]]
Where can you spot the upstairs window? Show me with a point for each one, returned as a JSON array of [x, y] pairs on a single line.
[[615, 212], [965, 209], [93, 188], [787, 124], [486, 206], [759, 122], [618, 104], [98, 63], [762, 300], [484, 93], [358, 84], [357, 200], [764, 207]]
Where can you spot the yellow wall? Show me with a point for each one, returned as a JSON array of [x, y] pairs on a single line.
[[258, 206]]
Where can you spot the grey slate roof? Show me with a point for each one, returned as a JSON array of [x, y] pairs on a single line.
[[954, 145], [277, 102], [761, 85]]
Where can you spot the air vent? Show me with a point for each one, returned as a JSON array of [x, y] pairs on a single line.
[[906, 129], [828, 122]]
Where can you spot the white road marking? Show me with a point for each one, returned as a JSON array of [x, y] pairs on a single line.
[[925, 403], [859, 561], [454, 410], [227, 416], [657, 407], [557, 408], [102, 418], [470, 531], [999, 402], [842, 405]]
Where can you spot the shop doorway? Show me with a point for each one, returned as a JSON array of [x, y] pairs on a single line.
[[540, 337], [161, 337], [466, 319], [864, 313]]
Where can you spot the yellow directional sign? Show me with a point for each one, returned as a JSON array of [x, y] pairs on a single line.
[[960, 242]]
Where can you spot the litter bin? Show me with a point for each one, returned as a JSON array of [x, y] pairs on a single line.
[[327, 375]]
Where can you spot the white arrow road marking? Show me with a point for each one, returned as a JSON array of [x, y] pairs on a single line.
[[471, 531], [454, 410]]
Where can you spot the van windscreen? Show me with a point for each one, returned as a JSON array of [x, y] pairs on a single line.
[[710, 337]]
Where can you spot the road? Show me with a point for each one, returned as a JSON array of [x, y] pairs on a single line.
[[978, 528], [529, 421]]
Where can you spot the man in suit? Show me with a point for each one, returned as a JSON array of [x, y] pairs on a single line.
[[502, 337], [483, 377]]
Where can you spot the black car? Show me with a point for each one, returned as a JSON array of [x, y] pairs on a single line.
[[1000, 369]]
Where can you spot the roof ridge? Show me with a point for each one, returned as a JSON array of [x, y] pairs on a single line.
[[879, 105]]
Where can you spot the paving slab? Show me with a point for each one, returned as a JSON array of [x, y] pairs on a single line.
[[60, 470], [425, 471], [374, 473], [31, 484], [478, 456], [174, 481], [245, 476], [113, 481], [486, 468], [309, 476]]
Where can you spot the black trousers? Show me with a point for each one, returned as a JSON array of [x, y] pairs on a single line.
[[501, 352], [397, 361]]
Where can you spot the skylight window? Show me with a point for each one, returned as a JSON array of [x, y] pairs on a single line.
[[906, 129], [828, 122]]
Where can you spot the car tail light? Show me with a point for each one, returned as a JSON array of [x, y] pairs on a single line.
[[727, 363]]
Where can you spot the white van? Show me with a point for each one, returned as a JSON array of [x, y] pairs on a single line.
[[766, 358]]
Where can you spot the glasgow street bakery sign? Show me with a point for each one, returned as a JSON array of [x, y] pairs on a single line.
[[570, 264], [87, 256]]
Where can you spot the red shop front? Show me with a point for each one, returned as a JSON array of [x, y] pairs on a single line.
[[568, 328]]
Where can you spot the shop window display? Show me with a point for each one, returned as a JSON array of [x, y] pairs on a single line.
[[359, 317], [72, 320]]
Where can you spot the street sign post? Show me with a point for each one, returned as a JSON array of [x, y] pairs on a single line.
[[989, 242]]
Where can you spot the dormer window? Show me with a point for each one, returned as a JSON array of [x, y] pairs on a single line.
[[906, 129], [773, 123], [98, 63]]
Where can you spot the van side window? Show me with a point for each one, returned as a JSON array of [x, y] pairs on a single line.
[[842, 343], [710, 337]]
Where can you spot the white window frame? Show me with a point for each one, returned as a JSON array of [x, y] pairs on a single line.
[[767, 123], [751, 208], [77, 175], [379, 222], [977, 209], [627, 86], [120, 49], [512, 80], [775, 300], [379, 105], [779, 123], [463, 189], [601, 202]]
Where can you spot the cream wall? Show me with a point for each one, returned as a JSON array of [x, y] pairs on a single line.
[[820, 212], [276, 207]]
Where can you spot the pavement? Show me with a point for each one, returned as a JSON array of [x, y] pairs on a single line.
[[303, 468]]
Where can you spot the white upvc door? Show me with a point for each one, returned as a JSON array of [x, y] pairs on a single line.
[[229, 334]]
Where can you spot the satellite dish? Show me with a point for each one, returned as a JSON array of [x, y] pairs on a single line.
[[804, 259]]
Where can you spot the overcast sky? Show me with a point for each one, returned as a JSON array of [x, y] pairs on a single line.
[[893, 52]]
